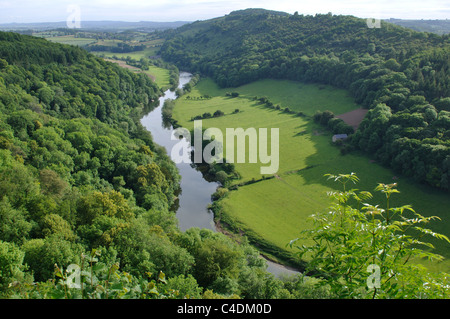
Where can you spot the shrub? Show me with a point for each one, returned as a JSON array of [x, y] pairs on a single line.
[[218, 113], [361, 250]]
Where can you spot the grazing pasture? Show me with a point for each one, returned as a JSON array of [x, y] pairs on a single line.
[[272, 211]]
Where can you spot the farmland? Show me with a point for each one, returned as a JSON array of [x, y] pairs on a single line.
[[157, 74], [273, 211]]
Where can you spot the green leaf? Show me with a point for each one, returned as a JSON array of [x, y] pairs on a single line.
[[162, 277]]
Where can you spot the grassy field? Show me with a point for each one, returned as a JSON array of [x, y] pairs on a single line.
[[275, 210], [298, 96], [296, 134], [137, 55], [159, 75], [71, 40]]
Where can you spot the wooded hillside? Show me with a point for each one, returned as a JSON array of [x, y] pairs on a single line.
[[398, 73]]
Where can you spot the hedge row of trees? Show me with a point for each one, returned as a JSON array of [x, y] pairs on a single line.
[[401, 71]]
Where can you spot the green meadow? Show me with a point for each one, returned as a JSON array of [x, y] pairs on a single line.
[[274, 211], [71, 40], [160, 75], [307, 98], [136, 55]]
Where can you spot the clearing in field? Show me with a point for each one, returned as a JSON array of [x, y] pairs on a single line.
[[273, 211], [353, 118]]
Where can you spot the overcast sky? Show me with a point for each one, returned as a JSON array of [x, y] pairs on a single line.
[[191, 10]]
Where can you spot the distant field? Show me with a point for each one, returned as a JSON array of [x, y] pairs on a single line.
[[71, 40], [298, 96], [137, 55], [275, 210], [159, 75], [152, 46]]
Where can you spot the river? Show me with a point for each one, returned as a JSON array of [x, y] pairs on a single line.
[[195, 190]]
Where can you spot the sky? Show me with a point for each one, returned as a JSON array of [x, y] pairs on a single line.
[[27, 11]]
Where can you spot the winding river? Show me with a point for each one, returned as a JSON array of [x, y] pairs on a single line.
[[196, 191]]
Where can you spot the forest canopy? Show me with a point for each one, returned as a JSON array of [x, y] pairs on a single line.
[[77, 169]]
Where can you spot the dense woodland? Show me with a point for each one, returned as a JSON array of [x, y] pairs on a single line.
[[399, 74]]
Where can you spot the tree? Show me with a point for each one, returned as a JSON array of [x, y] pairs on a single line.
[[42, 255], [53, 224], [184, 287], [14, 226], [218, 113], [11, 266], [216, 261], [46, 95], [145, 63], [95, 204], [222, 177], [143, 249], [366, 251], [51, 183]]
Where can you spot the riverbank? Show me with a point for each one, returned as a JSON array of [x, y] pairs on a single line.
[[196, 192], [274, 265]]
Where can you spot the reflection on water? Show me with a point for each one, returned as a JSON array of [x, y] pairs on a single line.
[[195, 190]]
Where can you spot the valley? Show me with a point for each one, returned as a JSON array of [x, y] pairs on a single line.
[[89, 178]]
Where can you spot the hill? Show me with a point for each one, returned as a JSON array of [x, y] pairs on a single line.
[[110, 26], [399, 74], [434, 26]]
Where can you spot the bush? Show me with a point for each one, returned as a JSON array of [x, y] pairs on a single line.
[[361, 250], [218, 113], [11, 264], [232, 94]]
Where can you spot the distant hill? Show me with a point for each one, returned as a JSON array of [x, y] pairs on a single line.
[[434, 26], [94, 25], [247, 45]]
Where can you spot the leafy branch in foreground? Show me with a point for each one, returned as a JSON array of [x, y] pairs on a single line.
[[95, 280], [362, 250]]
